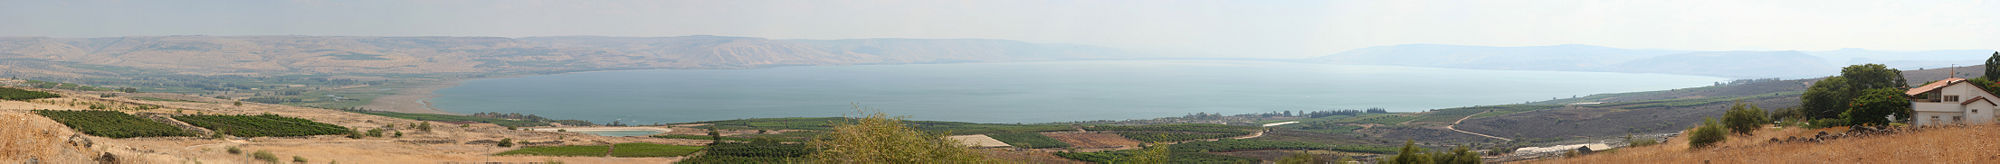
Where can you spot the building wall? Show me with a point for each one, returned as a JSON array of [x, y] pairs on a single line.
[[1942, 118], [1979, 113]]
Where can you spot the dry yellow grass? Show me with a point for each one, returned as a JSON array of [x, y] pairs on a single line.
[[1968, 144], [24, 135]]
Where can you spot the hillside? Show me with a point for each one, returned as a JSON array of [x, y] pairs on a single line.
[[1734, 64], [269, 55]]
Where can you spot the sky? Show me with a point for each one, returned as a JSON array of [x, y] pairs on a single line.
[[1224, 29]]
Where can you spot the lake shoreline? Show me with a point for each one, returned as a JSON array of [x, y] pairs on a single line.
[[412, 99]]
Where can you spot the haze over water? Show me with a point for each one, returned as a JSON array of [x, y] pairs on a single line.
[[1026, 92]]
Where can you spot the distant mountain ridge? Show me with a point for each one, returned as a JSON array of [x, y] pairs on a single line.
[[1572, 57], [347, 54]]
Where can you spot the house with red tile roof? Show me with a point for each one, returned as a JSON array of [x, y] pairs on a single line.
[[1951, 101]]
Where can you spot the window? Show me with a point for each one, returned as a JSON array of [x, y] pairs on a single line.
[[1950, 98]]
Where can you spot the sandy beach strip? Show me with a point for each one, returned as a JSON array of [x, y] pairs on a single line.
[[413, 99]]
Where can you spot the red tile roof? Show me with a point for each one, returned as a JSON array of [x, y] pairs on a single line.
[[1932, 86], [1988, 102]]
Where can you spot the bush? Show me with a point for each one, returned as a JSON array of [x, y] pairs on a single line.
[[1744, 118], [1640, 142], [881, 139], [265, 156], [234, 150], [506, 142], [1412, 154], [297, 159], [1707, 135], [1829, 122]]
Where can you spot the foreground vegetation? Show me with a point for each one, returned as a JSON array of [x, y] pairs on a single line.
[[266, 125], [881, 139], [112, 124], [1890, 148]]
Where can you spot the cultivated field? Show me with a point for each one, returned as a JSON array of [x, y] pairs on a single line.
[[1092, 140]]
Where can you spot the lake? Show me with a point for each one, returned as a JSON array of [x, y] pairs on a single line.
[[1026, 92]]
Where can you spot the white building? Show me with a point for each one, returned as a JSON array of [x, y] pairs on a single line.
[[1951, 101]]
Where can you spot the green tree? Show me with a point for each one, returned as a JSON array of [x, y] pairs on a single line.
[[713, 135], [1872, 76], [1992, 67], [506, 142], [1159, 153], [1707, 134], [1744, 118], [1876, 105], [881, 139], [1409, 154], [1826, 98]]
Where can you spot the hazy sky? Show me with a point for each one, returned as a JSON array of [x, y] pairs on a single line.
[[1261, 29]]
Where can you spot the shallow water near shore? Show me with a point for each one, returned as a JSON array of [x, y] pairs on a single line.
[[1026, 92]]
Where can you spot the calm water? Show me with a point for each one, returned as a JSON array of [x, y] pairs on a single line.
[[1026, 92]]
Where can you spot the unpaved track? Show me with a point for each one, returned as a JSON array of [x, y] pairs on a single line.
[[1461, 120]]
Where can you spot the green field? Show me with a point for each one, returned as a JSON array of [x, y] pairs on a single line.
[[23, 94], [724, 138], [267, 125], [1176, 132], [112, 124], [651, 150], [763, 151]]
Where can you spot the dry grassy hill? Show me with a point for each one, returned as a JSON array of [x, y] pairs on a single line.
[[31, 136], [1967, 144]]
